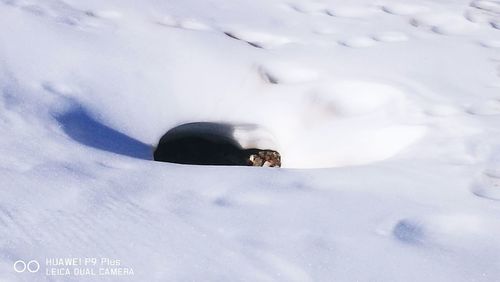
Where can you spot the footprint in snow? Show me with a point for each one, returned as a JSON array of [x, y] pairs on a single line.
[[59, 12], [488, 108], [308, 7], [104, 14], [484, 12], [351, 11], [358, 42], [455, 231], [409, 232], [340, 11], [443, 23], [368, 41], [286, 73], [488, 185], [492, 43], [390, 37], [223, 202], [257, 39], [188, 23], [404, 9]]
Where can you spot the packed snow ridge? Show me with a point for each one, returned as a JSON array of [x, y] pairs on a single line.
[[386, 115]]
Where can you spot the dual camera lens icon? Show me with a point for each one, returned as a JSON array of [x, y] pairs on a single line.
[[30, 266]]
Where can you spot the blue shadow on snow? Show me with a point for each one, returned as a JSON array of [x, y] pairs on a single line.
[[82, 128]]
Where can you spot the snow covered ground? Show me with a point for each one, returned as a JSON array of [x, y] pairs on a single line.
[[386, 112]]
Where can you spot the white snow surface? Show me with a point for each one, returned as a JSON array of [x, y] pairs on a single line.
[[386, 113]]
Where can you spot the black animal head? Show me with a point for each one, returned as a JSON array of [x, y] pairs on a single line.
[[206, 143]]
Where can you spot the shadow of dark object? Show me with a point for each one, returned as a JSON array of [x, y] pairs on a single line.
[[78, 125], [208, 143]]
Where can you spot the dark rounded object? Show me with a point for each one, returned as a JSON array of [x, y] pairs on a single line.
[[208, 143]]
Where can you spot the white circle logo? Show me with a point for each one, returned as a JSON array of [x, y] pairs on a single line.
[[21, 266]]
